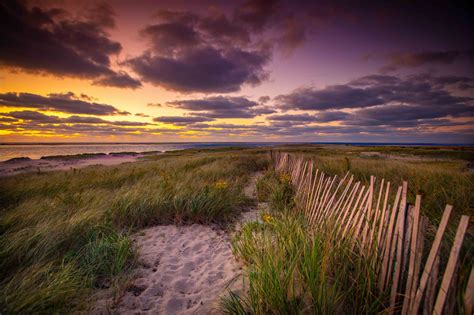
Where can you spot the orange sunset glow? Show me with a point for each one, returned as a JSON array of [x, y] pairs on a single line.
[[165, 71]]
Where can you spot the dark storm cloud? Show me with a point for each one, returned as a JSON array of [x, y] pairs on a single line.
[[417, 59], [300, 117], [50, 41], [223, 107], [67, 103], [40, 118], [202, 70], [332, 97], [169, 37], [205, 53], [120, 79], [376, 90], [32, 115], [380, 101]]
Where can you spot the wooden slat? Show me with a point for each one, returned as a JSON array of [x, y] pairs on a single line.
[[383, 221], [337, 209], [354, 211], [431, 288], [325, 197], [400, 234], [431, 257], [418, 259], [376, 222], [453, 258], [469, 295], [413, 249], [385, 269], [347, 204]]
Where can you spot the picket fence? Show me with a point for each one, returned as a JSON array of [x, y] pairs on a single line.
[[393, 235]]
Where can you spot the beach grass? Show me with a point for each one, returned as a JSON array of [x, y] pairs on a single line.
[[65, 233], [291, 268]]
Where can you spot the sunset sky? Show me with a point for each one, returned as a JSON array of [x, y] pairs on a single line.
[[165, 71]]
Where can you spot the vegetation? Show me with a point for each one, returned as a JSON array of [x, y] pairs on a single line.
[[292, 268], [436, 173], [64, 233]]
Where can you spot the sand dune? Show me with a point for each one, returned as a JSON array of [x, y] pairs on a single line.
[[182, 270]]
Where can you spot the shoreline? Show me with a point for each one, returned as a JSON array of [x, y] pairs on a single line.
[[20, 165]]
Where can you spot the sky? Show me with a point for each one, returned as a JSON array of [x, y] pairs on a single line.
[[254, 70]]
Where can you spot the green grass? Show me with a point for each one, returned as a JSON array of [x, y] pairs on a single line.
[[441, 178], [64, 234], [293, 269]]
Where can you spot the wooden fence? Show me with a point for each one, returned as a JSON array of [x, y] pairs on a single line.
[[378, 221]]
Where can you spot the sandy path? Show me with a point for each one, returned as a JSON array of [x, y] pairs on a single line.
[[183, 270]]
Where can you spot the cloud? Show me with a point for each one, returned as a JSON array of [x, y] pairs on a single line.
[[120, 79], [66, 103], [181, 120], [209, 53], [204, 69], [299, 117], [256, 13], [141, 115], [49, 41], [376, 90], [332, 97], [222, 107], [264, 99], [415, 102], [40, 118], [418, 59]]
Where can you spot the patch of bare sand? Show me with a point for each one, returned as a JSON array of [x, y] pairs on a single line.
[[182, 270], [44, 165]]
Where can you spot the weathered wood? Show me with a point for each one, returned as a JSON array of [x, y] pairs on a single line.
[[431, 288], [453, 258], [412, 249], [400, 234], [385, 270], [391, 239], [418, 259], [469, 295], [383, 221], [431, 257]]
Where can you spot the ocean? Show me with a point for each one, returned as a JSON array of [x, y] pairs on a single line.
[[38, 150]]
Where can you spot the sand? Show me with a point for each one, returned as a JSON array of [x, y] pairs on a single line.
[[182, 270], [10, 168]]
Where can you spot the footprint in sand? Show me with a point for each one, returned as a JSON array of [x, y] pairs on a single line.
[[184, 270]]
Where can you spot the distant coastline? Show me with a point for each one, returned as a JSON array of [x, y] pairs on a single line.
[[42, 150]]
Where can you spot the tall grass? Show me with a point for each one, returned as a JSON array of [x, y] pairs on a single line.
[[62, 234], [441, 175], [292, 268]]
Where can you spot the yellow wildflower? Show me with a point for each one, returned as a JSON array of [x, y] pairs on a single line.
[[220, 184], [267, 218]]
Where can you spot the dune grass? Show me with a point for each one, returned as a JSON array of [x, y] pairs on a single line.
[[441, 175], [62, 234], [291, 268]]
